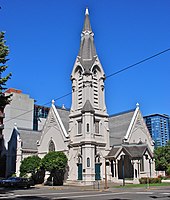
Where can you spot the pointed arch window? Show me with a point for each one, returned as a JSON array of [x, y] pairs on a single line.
[[51, 146], [80, 73], [95, 72]]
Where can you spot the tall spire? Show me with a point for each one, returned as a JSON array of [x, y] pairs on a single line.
[[87, 26], [87, 54]]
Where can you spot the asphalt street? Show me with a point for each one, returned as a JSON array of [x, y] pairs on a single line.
[[82, 193]]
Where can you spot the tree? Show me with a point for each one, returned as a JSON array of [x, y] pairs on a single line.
[[30, 164], [55, 163], [162, 158], [4, 51], [54, 160], [4, 99]]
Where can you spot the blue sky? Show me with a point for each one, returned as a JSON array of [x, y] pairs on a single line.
[[44, 40]]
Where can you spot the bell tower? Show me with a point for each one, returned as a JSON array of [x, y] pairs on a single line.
[[88, 125]]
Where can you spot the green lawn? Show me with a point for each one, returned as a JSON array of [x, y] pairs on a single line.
[[144, 185]]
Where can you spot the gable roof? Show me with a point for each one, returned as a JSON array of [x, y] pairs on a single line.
[[29, 138], [114, 151], [118, 125], [61, 119], [135, 151], [64, 115]]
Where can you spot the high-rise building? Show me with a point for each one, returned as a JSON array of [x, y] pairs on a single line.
[[159, 128]]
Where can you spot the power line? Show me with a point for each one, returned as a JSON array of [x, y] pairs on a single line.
[[133, 65], [113, 74], [61, 97]]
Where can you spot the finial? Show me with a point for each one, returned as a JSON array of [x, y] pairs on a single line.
[[137, 105], [53, 102], [87, 11], [15, 126]]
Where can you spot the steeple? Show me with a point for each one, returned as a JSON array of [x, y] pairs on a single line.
[[88, 75], [88, 124], [87, 54], [87, 26]]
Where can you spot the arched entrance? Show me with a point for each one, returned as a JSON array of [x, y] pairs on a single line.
[[97, 168], [79, 168], [128, 168]]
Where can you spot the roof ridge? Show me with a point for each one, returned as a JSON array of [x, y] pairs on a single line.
[[27, 129], [123, 112]]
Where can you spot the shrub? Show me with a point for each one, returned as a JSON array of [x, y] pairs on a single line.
[[38, 177], [145, 180], [54, 160], [55, 163], [30, 164], [168, 171]]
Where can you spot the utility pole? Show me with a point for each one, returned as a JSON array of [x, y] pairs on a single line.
[[105, 175], [123, 169]]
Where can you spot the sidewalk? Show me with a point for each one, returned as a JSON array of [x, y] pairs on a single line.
[[101, 187], [77, 186], [112, 187]]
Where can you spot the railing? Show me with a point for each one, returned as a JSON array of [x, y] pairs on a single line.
[[96, 185]]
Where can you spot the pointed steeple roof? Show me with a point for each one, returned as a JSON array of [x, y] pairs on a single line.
[[87, 107], [87, 54], [87, 26]]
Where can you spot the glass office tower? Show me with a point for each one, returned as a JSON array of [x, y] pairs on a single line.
[[159, 128]]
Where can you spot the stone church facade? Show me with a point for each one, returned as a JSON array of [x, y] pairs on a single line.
[[86, 133]]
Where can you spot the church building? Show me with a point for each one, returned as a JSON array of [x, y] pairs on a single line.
[[88, 136]]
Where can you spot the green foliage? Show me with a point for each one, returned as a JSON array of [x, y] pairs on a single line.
[[4, 51], [30, 165], [54, 161], [145, 180], [13, 175], [168, 170], [38, 177], [162, 158]]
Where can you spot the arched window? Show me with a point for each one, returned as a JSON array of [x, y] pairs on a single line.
[[88, 162], [78, 71], [78, 85], [79, 159], [51, 146], [87, 127], [95, 72], [97, 127], [97, 159], [79, 127]]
